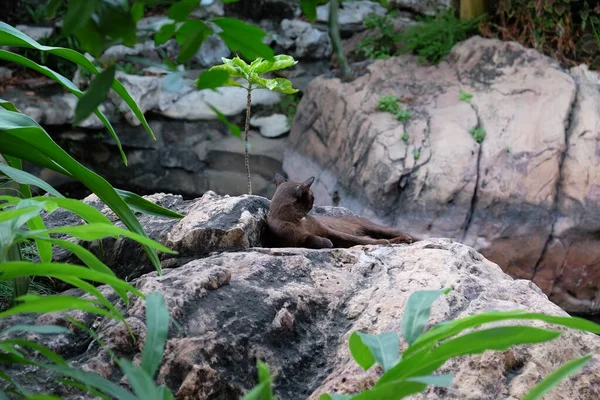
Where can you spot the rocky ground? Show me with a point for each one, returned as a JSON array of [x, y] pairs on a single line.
[[295, 309]]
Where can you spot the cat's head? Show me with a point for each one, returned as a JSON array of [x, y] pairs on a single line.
[[294, 194]]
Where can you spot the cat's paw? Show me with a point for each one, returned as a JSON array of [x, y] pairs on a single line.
[[326, 243], [402, 239]]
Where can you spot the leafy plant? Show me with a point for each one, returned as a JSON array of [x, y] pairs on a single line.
[[251, 76], [464, 96], [403, 115], [433, 38], [383, 45], [414, 370], [478, 134], [416, 154], [404, 136], [390, 104]]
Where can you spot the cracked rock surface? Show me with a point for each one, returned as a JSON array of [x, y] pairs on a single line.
[[526, 196], [296, 308]]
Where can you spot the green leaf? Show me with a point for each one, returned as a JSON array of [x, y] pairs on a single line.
[[25, 178], [233, 128], [95, 231], [181, 10], [443, 380], [165, 33], [7, 105], [416, 312], [39, 329], [137, 10], [260, 66], [78, 14], [309, 9], [139, 204], [43, 350], [49, 304], [499, 338], [21, 215], [335, 396], [94, 95], [90, 38], [94, 380], [66, 84], [280, 85], [245, 38], [15, 269], [22, 137], [549, 382], [451, 328], [256, 392], [10, 36], [88, 213], [384, 348], [212, 79], [190, 36], [51, 8], [264, 377], [157, 323], [141, 382], [360, 352]]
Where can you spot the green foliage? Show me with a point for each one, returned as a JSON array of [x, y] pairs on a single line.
[[392, 105], [57, 39], [548, 383], [403, 115], [94, 95], [404, 136], [383, 45], [433, 38], [288, 105], [464, 96], [478, 134], [416, 154]]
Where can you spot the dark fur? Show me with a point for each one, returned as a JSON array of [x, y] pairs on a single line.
[[291, 226]]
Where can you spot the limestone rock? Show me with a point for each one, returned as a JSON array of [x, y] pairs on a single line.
[[211, 51], [499, 196], [428, 7], [302, 40], [272, 126], [296, 308]]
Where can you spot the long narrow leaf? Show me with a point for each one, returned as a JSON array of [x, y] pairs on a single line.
[[141, 382], [157, 324], [31, 135], [54, 303], [88, 213], [39, 329], [25, 178], [43, 350], [416, 313], [10, 36], [94, 95], [67, 84], [549, 382], [138, 203]]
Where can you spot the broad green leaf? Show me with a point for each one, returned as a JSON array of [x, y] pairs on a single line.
[[137, 10], [451, 328], [49, 304], [25, 178], [39, 329], [233, 128], [212, 79], [94, 95], [78, 14], [22, 213], [179, 11], [499, 338], [94, 380], [22, 137], [138, 203], [67, 84], [392, 390], [43, 350], [260, 66], [384, 347], [190, 36], [309, 9], [256, 392], [157, 324], [243, 37], [51, 8], [90, 38], [10, 36], [232, 70], [416, 313], [549, 382], [280, 85], [8, 105], [360, 352], [165, 33], [58, 270]]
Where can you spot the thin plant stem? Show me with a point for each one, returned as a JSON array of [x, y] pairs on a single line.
[[336, 41], [246, 129]]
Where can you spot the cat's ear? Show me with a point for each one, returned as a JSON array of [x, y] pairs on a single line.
[[304, 186], [279, 179]]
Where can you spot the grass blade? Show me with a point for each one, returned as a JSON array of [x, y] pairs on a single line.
[[417, 311], [157, 331], [94, 95], [549, 382]]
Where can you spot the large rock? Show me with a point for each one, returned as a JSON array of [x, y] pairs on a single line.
[[522, 196], [295, 309], [428, 7]]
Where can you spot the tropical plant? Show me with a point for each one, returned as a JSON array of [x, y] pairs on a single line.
[[251, 76], [412, 371]]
